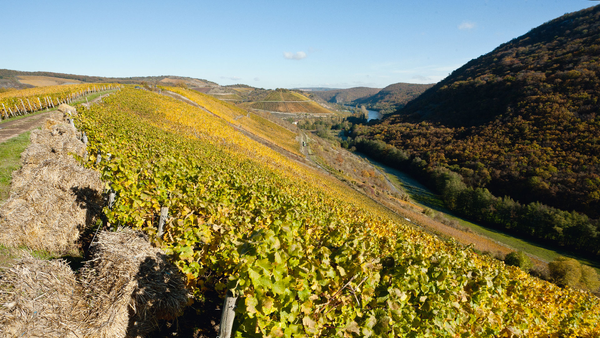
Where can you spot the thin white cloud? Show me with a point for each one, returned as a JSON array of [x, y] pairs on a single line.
[[294, 56], [256, 79], [466, 25], [428, 79]]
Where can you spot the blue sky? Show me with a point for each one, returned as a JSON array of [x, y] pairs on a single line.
[[266, 44]]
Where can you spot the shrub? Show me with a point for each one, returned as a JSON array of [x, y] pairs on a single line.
[[569, 272], [519, 259]]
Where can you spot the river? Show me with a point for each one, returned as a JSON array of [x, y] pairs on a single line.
[[373, 115]]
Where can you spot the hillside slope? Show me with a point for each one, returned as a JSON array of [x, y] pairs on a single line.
[[19, 79], [345, 96], [521, 121], [305, 254]]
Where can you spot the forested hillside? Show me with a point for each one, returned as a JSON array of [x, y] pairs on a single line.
[[520, 121]]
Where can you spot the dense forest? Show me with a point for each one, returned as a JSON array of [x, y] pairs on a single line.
[[519, 122]]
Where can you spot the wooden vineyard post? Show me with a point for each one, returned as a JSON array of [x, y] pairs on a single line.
[[111, 199], [98, 158], [227, 316], [164, 212], [84, 138], [5, 111], [23, 104], [29, 103]]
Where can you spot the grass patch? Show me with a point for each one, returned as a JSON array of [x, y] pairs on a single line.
[[10, 160], [91, 97]]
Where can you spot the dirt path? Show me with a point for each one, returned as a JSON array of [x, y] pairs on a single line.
[[15, 128]]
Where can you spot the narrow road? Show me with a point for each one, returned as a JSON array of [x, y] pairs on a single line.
[[10, 129]]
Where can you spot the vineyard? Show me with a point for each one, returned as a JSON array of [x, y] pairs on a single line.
[[306, 255], [30, 100], [285, 95], [238, 117]]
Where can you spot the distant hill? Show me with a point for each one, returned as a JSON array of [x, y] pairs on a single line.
[[315, 89], [345, 96], [386, 100], [522, 120], [18, 79], [393, 97]]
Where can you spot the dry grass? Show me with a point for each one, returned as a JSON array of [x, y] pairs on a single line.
[[37, 299], [42, 81]]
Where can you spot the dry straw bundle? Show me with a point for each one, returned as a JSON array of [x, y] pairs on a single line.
[[52, 198], [133, 283], [120, 292], [38, 298]]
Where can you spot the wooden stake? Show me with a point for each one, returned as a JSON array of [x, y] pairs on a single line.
[[41, 107], [23, 104], [5, 111], [29, 103], [111, 199], [84, 139], [164, 212], [98, 158], [227, 316]]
